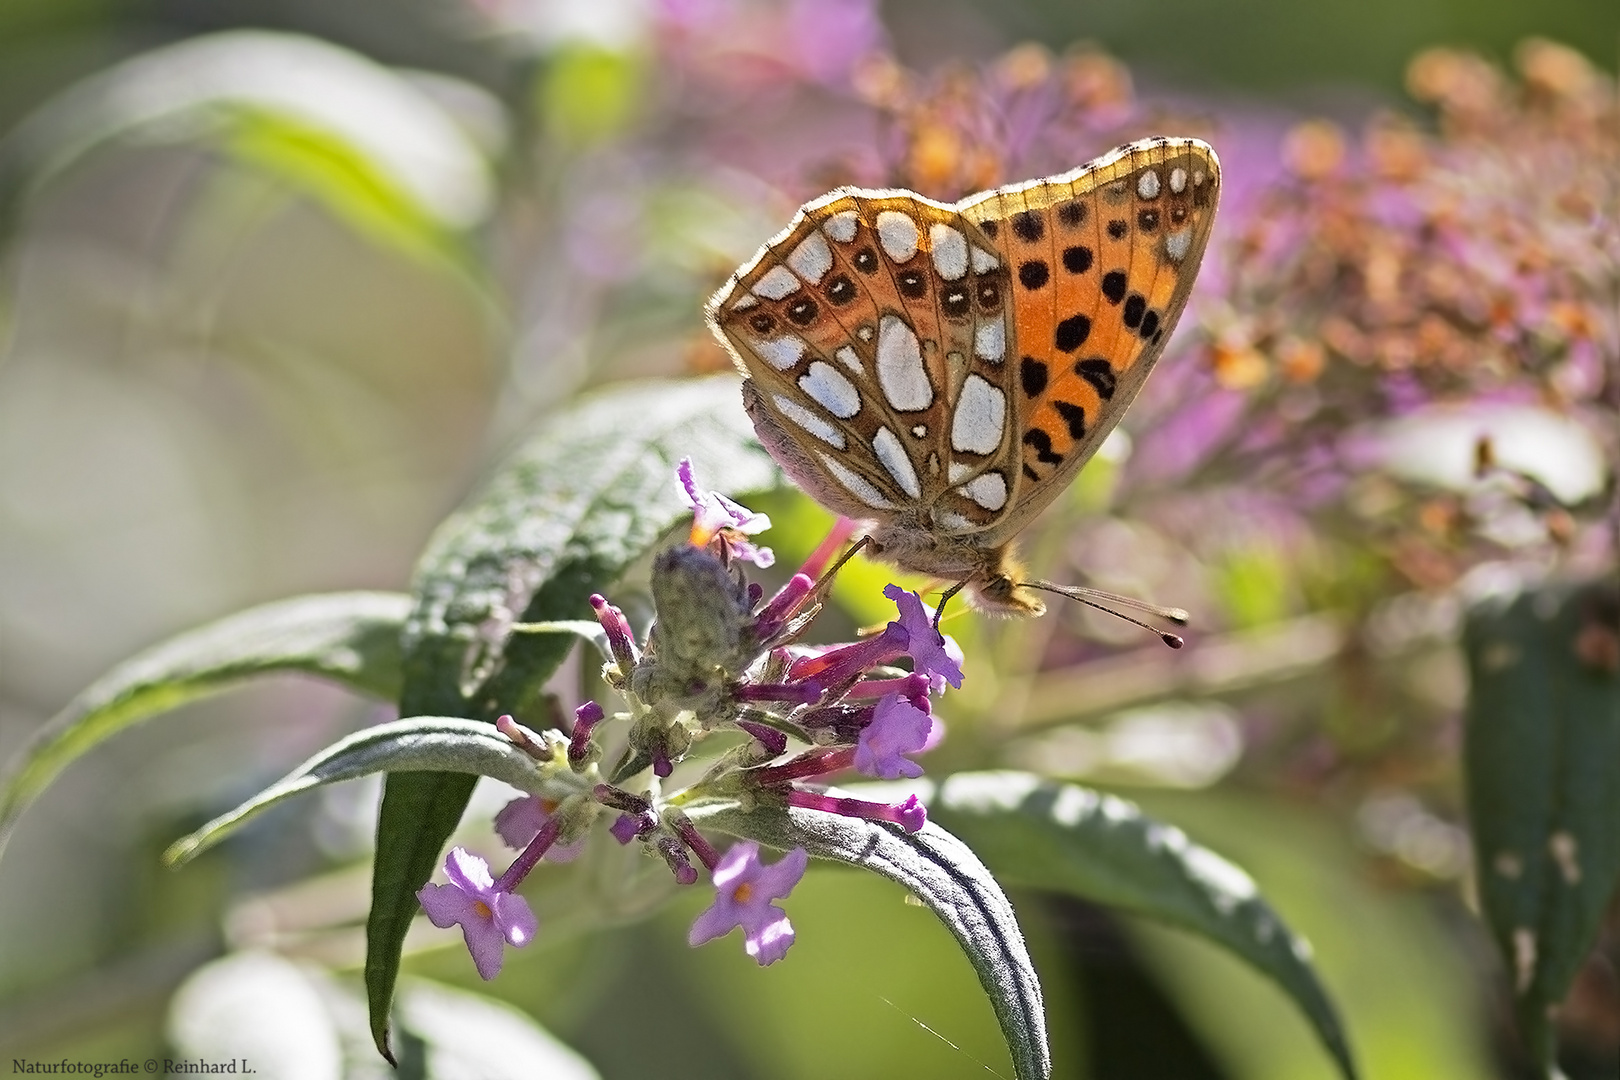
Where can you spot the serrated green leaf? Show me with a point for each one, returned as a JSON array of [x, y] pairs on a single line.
[[1065, 838], [585, 497], [1542, 760], [417, 744], [352, 638], [942, 872]]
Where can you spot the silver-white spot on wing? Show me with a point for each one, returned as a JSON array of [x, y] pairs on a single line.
[[858, 485], [983, 261], [744, 303], [959, 470], [980, 417], [831, 390], [950, 519], [1147, 185], [776, 283], [1178, 180], [809, 421], [781, 353], [850, 359], [990, 341], [1177, 243], [898, 234], [989, 490], [812, 258], [950, 251], [900, 368], [841, 226], [892, 456]]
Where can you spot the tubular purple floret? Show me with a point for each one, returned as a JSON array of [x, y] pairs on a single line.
[[805, 693], [847, 662], [675, 855], [620, 642], [912, 687], [530, 856], [774, 742], [522, 738], [626, 827], [910, 815], [821, 761], [586, 717], [782, 606], [695, 840]]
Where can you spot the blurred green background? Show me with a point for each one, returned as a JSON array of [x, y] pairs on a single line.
[[244, 356]]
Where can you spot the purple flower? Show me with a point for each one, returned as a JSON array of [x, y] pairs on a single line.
[[713, 513], [489, 918], [521, 820], [898, 727], [744, 889], [929, 650]]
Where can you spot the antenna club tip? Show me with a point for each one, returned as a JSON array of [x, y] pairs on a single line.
[[1179, 616], [1173, 640]]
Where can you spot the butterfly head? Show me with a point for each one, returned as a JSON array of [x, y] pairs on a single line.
[[1003, 595]]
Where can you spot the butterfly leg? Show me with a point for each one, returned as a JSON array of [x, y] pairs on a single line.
[[950, 592]]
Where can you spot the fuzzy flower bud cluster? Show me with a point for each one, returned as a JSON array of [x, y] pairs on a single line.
[[720, 659]]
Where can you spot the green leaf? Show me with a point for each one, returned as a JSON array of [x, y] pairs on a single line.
[[944, 874], [417, 744], [352, 638], [1542, 760], [586, 496], [378, 150], [1065, 838]]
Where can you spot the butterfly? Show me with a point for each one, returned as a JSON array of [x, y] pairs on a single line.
[[943, 370]]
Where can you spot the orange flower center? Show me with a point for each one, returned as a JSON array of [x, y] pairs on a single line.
[[742, 892], [483, 910]]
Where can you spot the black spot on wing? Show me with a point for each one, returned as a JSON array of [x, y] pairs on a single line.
[[1074, 416], [1032, 373], [1135, 308], [1072, 333], [1028, 225], [1113, 286], [1042, 442], [1099, 373]]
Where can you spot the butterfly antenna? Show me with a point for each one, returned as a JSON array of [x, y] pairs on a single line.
[[1112, 603]]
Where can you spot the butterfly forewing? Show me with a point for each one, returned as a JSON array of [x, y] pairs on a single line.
[[944, 370], [1103, 260]]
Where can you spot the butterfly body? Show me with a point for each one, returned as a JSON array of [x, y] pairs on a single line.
[[943, 370]]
